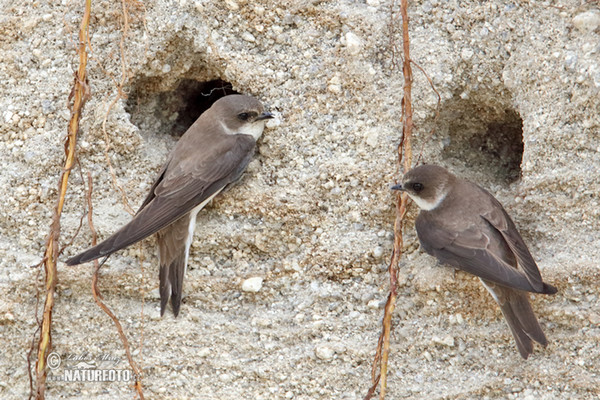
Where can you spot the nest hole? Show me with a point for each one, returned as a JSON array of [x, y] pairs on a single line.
[[173, 111], [487, 140]]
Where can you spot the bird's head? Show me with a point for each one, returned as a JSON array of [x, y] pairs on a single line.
[[427, 185], [241, 114]]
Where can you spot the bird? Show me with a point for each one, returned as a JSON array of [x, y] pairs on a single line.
[[208, 158], [464, 226]]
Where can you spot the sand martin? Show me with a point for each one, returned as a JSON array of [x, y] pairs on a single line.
[[209, 157], [464, 226]]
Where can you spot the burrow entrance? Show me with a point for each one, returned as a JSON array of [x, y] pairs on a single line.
[[173, 111], [487, 139]]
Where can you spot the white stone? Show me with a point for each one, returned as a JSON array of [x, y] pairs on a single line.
[[466, 54], [205, 352], [232, 5], [459, 319], [353, 43], [248, 37], [427, 356], [374, 304], [253, 284], [587, 21], [324, 352], [378, 252], [446, 341], [335, 80], [372, 137], [335, 89]]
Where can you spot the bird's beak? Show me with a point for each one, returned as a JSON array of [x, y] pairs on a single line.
[[398, 187], [265, 115]]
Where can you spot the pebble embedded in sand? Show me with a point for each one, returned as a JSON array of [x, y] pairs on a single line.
[[253, 284]]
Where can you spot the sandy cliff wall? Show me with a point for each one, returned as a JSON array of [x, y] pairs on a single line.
[[519, 113]]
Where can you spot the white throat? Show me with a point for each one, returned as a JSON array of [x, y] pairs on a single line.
[[254, 129], [429, 205]]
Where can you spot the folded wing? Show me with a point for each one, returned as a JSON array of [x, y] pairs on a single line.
[[180, 187], [481, 251]]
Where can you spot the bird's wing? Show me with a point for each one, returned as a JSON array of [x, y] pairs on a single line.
[[182, 186], [501, 221], [470, 251], [158, 180]]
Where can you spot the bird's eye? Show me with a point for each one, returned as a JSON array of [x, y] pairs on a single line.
[[417, 187], [244, 116]]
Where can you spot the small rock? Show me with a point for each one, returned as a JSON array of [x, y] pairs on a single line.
[[248, 37], [594, 318], [570, 61], [335, 89], [48, 106], [456, 319], [232, 5], [8, 316], [374, 304], [262, 322], [273, 122], [324, 352], [253, 284], [378, 250], [466, 54], [205, 352], [353, 43], [459, 319], [335, 80], [446, 341], [587, 21], [372, 138], [427, 356], [335, 85]]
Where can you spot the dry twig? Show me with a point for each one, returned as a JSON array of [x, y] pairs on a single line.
[[404, 158], [79, 95], [98, 299], [125, 73]]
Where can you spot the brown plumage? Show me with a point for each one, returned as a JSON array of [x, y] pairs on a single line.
[[463, 225], [209, 157]]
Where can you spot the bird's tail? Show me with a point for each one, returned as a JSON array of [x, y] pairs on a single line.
[[519, 316], [522, 322], [171, 283], [173, 245]]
